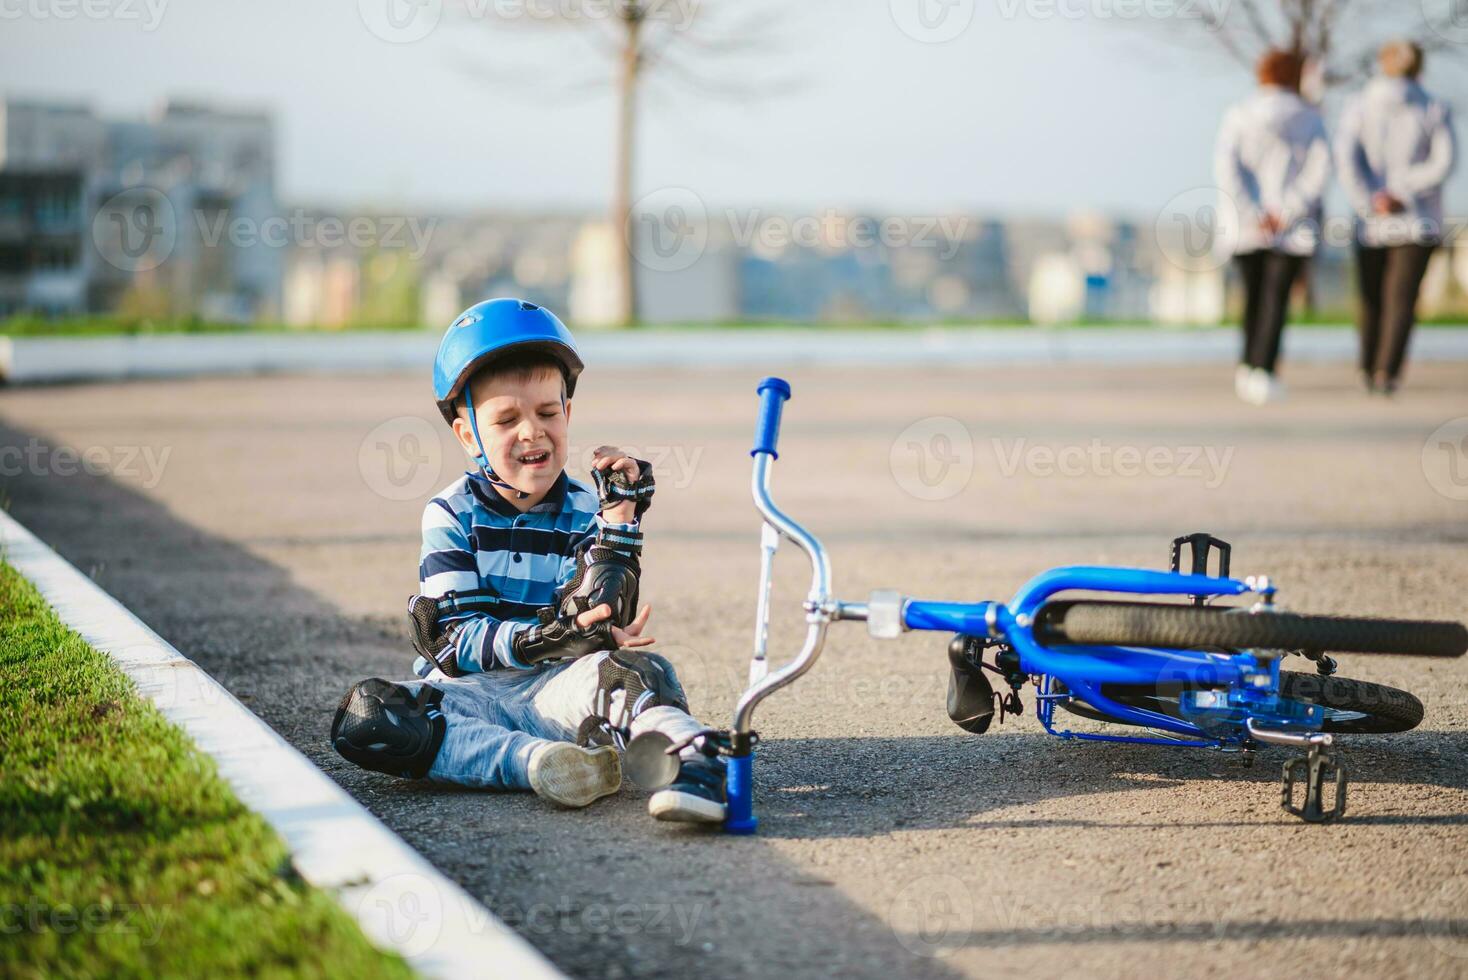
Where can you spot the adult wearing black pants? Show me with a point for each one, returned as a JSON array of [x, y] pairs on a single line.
[[1394, 150], [1271, 163]]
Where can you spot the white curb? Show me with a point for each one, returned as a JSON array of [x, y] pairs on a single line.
[[402, 902]]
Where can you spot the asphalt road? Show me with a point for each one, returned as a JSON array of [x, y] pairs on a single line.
[[268, 528]]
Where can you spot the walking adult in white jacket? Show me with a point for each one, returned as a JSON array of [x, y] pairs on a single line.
[[1394, 150], [1272, 163]]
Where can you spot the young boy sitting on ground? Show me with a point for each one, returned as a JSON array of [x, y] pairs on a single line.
[[532, 662]]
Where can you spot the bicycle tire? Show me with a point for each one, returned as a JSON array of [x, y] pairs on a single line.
[[1383, 710], [1178, 627]]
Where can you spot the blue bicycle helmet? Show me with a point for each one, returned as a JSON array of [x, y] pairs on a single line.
[[484, 333], [491, 330]]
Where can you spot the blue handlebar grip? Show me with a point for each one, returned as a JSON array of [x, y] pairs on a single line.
[[772, 395], [739, 788]]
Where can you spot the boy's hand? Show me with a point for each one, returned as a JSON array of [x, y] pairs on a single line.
[[610, 458], [629, 637]]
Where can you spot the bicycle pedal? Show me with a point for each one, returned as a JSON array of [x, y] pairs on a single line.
[[1200, 545], [1315, 769]]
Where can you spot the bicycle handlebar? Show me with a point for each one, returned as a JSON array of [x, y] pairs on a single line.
[[773, 393]]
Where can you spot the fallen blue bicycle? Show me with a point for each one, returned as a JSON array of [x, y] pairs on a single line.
[[1190, 673]]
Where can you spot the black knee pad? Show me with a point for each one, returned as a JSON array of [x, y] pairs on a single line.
[[645, 679], [387, 728]]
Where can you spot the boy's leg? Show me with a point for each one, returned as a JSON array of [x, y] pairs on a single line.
[[483, 746], [584, 687], [573, 693], [494, 739], [449, 731]]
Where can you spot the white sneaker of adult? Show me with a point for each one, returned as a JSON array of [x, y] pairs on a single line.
[[1270, 388], [572, 776], [1244, 383]]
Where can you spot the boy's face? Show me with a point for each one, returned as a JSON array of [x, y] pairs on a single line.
[[523, 425]]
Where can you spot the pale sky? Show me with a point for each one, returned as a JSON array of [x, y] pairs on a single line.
[[1025, 111]]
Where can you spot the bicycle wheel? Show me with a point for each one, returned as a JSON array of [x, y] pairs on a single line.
[[1351, 706], [1178, 627]]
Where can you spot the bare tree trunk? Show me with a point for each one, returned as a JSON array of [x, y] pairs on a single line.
[[626, 143]]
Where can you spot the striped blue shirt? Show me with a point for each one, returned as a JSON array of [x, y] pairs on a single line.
[[491, 567]]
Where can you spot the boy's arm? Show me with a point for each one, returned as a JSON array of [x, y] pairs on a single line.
[[456, 623]]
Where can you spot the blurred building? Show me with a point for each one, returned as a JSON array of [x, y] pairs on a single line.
[[162, 215], [1092, 268]]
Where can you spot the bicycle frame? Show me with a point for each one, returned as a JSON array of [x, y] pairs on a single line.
[[1251, 681]]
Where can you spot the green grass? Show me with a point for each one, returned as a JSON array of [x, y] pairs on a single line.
[[122, 852]]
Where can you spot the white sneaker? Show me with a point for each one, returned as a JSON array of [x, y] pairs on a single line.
[[572, 776], [1244, 384], [1257, 386], [1270, 388]]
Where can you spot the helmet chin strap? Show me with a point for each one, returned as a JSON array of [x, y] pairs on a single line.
[[483, 457]]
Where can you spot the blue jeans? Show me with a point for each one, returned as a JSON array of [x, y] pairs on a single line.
[[497, 719]]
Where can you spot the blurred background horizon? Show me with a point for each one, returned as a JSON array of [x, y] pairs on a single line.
[[389, 162]]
